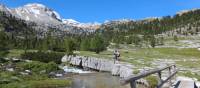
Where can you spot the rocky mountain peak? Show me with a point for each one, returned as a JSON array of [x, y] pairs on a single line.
[[186, 11], [37, 13], [35, 5], [4, 8]]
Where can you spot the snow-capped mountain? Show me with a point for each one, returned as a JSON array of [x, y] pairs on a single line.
[[46, 18], [37, 13], [4, 8], [40, 13]]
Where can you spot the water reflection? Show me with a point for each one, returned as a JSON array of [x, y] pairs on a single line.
[[96, 80]]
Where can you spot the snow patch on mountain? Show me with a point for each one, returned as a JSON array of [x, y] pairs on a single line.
[[186, 11], [4, 8], [27, 18], [35, 5], [57, 15], [73, 22], [35, 11], [70, 21]]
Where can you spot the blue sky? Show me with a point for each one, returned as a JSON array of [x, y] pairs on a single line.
[[101, 10]]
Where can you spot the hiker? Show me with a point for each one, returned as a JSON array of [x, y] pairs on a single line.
[[116, 55]]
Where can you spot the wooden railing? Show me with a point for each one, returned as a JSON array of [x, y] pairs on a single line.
[[132, 79]]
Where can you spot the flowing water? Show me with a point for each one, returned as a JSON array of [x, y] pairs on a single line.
[[93, 79], [96, 80]]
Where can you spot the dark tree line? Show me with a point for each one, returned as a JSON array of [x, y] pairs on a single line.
[[131, 31]]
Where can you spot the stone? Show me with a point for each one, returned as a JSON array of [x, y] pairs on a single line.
[[10, 69], [119, 69], [116, 70], [59, 75]]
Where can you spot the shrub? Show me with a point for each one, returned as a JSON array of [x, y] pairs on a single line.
[[152, 80], [97, 44], [2, 60], [37, 67], [47, 83], [43, 56]]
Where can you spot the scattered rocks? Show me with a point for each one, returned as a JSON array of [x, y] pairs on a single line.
[[59, 73], [24, 73], [15, 60], [10, 69]]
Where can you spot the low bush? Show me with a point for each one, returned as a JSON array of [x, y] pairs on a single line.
[[2, 60], [39, 67], [43, 56], [47, 83], [152, 80]]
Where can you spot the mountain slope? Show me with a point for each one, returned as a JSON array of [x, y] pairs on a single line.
[[45, 18], [37, 13], [188, 21]]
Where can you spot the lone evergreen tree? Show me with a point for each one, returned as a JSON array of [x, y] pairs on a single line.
[[70, 46], [97, 44], [85, 45], [3, 44]]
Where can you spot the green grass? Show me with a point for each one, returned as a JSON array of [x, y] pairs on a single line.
[[187, 52], [183, 58], [35, 80], [104, 54], [152, 80], [148, 54], [17, 52], [143, 57], [47, 83], [190, 74]]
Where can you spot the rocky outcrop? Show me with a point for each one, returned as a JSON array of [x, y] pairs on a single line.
[[118, 69]]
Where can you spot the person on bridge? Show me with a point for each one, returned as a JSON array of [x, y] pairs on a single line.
[[116, 55]]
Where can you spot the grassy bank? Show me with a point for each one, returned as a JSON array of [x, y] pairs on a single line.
[[187, 58], [31, 74], [47, 83]]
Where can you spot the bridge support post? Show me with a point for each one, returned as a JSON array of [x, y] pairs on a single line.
[[170, 73], [159, 78], [133, 84]]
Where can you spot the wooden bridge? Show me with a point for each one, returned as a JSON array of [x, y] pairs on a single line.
[[171, 69]]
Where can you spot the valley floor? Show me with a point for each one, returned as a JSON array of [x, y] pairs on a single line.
[[186, 59]]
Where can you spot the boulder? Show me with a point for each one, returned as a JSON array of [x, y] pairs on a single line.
[[116, 70], [125, 71], [119, 69]]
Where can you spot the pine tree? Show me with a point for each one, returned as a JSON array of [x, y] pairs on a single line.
[[97, 44], [85, 45], [70, 46], [3, 44]]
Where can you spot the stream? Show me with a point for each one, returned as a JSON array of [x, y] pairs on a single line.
[[91, 79]]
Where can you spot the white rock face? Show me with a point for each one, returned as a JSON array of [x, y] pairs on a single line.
[[37, 13], [46, 18], [4, 8], [73, 22], [119, 69]]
